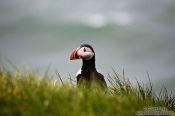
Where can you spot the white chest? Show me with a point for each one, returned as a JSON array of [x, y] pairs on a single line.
[[79, 72]]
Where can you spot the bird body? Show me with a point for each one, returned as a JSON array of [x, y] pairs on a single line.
[[88, 76], [93, 79], [78, 72]]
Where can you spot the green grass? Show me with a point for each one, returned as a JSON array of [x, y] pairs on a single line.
[[31, 94]]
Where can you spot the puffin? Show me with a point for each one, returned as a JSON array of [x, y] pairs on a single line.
[[88, 76]]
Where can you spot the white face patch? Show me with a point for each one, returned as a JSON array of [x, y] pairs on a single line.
[[85, 53]]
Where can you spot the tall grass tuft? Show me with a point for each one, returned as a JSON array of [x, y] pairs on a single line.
[[30, 93]]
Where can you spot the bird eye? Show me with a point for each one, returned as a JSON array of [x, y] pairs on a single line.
[[84, 49]]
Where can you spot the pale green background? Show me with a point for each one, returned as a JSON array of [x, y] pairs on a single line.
[[137, 35]]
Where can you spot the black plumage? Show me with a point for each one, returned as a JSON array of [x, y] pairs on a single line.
[[89, 76]]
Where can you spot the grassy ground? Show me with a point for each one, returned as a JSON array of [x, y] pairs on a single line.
[[38, 95]]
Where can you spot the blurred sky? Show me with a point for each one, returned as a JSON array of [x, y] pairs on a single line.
[[136, 35]]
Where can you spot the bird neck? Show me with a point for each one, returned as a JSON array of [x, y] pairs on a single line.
[[88, 66]]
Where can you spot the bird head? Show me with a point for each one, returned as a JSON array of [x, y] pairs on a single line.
[[84, 52]]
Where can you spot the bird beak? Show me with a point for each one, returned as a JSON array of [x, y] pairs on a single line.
[[74, 55]]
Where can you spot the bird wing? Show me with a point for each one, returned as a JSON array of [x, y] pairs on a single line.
[[101, 78], [78, 78]]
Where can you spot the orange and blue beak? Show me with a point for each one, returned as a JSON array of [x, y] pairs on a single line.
[[74, 55]]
